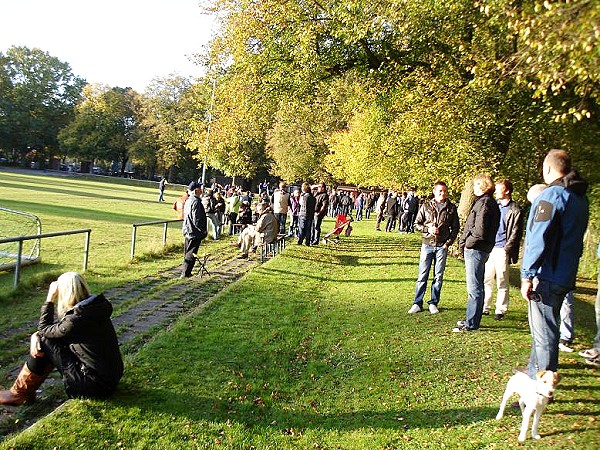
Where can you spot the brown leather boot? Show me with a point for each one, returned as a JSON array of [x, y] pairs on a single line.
[[23, 391]]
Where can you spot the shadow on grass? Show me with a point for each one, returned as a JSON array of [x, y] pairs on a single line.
[[71, 211], [336, 280], [258, 412]]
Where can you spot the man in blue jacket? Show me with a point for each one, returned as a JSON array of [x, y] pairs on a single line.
[[553, 246]]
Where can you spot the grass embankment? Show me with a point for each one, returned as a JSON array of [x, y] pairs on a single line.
[[314, 349]]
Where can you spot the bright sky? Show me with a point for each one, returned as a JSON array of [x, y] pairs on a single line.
[[124, 43]]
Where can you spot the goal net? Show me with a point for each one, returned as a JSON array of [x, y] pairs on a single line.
[[15, 224]]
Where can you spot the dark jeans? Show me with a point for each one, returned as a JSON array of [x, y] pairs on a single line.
[[304, 229], [317, 230], [474, 270], [232, 219], [281, 218], [191, 246], [544, 323], [79, 380]]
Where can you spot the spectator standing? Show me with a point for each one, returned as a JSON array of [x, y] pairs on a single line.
[[281, 203], [553, 246], [369, 203], [321, 205], [209, 204], [333, 203], [232, 203], [294, 211], [161, 189], [306, 215], [360, 206], [410, 206], [219, 209], [438, 222], [505, 251], [380, 210], [179, 204], [476, 243], [345, 203], [194, 227], [592, 355], [391, 211]]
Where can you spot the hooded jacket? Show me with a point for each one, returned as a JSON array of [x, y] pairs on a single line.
[[87, 331], [555, 229]]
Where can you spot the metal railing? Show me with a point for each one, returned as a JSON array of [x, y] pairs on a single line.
[[154, 222], [20, 239]]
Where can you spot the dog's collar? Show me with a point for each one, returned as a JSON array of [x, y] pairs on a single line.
[[545, 396]]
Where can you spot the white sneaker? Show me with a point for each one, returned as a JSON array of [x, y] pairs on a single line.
[[433, 309], [564, 348], [415, 309]]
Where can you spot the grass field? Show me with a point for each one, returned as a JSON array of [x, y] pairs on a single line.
[[312, 349]]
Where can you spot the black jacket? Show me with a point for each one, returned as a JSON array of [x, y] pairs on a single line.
[[88, 333], [321, 204], [194, 219], [481, 225], [514, 232], [307, 205], [446, 219]]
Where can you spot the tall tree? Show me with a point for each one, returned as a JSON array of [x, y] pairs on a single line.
[[38, 93], [105, 126]]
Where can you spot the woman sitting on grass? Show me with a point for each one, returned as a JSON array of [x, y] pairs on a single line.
[[82, 345]]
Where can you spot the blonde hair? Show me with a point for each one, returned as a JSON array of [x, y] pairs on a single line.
[[72, 288], [485, 181]]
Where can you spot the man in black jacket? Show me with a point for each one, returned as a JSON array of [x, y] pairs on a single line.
[[438, 222], [194, 227], [505, 251], [321, 205]]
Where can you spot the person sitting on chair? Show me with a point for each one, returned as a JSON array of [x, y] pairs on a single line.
[[82, 345]]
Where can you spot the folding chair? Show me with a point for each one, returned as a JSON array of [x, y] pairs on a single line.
[[202, 260]]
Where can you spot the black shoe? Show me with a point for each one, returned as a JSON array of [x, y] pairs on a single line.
[[486, 313], [244, 256], [499, 317]]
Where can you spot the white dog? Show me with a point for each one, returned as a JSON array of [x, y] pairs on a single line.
[[534, 396]]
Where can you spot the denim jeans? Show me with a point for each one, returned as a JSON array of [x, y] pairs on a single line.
[[316, 232], [475, 270], [597, 308], [436, 256], [216, 225], [305, 229], [567, 318], [544, 321], [281, 219]]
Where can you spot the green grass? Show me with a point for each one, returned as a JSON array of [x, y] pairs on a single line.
[[314, 349]]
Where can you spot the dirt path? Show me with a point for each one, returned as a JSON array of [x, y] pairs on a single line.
[[154, 302]]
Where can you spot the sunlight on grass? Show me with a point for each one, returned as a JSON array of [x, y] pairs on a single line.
[[315, 349]]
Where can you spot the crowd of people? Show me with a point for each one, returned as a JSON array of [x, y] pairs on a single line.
[[81, 343], [489, 241]]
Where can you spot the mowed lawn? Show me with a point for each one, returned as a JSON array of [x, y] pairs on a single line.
[[314, 349]]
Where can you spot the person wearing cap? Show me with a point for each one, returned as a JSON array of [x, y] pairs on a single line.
[[194, 227]]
